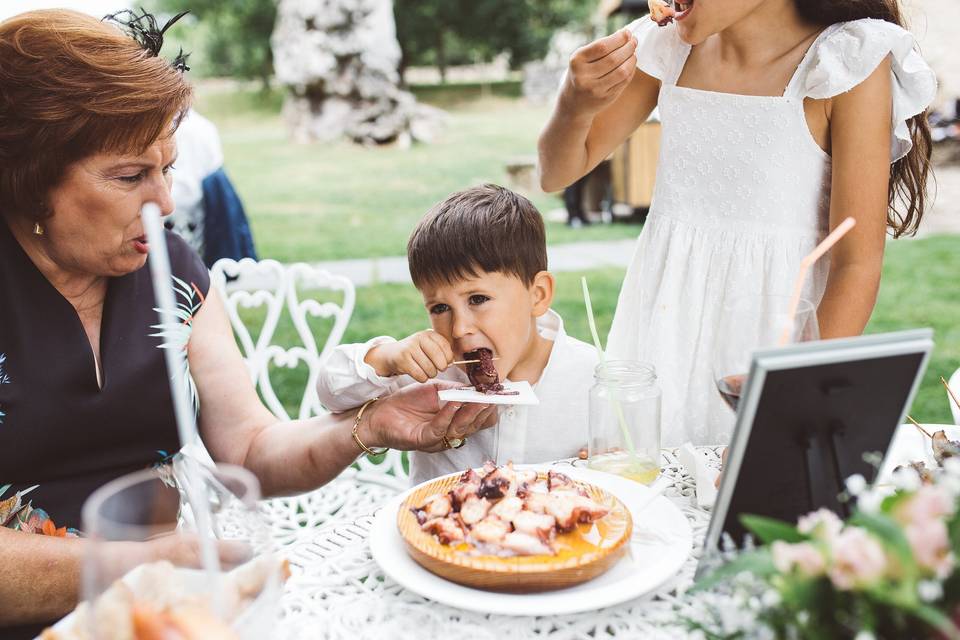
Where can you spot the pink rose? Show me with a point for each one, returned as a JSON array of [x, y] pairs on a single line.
[[857, 559], [821, 524], [930, 544], [803, 556], [928, 503]]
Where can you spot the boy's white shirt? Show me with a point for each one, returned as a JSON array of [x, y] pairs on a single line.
[[556, 428]]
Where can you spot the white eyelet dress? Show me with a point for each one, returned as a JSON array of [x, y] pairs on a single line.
[[742, 195]]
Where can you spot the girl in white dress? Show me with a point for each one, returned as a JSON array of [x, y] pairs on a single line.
[[780, 118]]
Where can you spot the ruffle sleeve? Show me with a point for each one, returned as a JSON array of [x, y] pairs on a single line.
[[849, 52], [658, 48]]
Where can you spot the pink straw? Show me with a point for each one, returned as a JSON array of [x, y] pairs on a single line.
[[805, 265]]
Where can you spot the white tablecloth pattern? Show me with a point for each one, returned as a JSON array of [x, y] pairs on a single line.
[[338, 591]]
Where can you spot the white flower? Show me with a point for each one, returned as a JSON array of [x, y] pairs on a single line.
[[870, 501], [865, 635], [906, 479], [929, 590], [822, 524], [856, 484]]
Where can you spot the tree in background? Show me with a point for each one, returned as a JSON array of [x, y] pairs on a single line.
[[448, 32], [234, 35]]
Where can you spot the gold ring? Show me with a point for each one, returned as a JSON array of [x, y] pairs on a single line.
[[456, 443]]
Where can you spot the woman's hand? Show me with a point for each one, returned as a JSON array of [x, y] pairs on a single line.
[[421, 356], [413, 419], [661, 12], [598, 73]]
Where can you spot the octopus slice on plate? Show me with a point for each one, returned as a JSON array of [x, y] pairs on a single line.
[[571, 509], [494, 485], [446, 529], [468, 486], [536, 502], [524, 544], [507, 508], [436, 506], [474, 509], [540, 525], [944, 448], [490, 530]]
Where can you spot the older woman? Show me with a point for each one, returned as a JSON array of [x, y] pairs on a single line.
[[87, 114]]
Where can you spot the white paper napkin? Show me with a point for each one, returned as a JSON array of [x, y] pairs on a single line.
[[525, 395], [705, 476]]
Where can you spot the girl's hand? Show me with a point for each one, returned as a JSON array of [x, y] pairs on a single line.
[[421, 356], [599, 72], [661, 12], [413, 418]]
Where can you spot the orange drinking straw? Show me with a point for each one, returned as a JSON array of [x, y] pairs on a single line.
[[805, 265]]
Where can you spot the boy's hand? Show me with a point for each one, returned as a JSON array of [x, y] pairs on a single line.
[[599, 72], [421, 356]]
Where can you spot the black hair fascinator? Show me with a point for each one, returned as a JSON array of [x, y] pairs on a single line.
[[148, 33]]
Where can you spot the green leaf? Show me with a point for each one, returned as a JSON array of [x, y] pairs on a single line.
[[936, 619], [759, 563], [769, 530]]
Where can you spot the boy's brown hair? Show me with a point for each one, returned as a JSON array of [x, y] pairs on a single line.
[[484, 229]]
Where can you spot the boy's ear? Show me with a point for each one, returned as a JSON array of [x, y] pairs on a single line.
[[541, 292]]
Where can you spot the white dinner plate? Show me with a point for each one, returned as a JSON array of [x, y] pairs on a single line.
[[661, 543], [525, 395]]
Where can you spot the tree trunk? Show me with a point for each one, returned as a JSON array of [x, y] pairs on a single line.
[[442, 54], [339, 60]]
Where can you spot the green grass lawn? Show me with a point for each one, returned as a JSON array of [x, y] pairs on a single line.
[[919, 289], [335, 201]]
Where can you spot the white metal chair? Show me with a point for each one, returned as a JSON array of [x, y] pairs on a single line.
[[295, 288], [955, 387]]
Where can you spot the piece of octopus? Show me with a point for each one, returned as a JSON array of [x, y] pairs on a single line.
[[943, 447], [507, 508], [467, 486], [496, 485], [536, 501], [474, 509], [524, 544], [541, 525], [490, 530], [446, 529], [562, 483], [569, 509], [438, 505]]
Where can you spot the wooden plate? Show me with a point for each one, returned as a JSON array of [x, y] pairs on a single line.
[[584, 553]]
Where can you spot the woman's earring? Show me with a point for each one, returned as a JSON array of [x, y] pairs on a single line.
[[38, 229]]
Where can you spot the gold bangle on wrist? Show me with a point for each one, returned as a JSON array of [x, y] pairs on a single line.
[[356, 428]]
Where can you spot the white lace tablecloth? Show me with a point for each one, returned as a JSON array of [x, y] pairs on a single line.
[[338, 591]]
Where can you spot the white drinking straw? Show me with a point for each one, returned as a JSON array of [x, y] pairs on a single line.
[[159, 260], [805, 266]]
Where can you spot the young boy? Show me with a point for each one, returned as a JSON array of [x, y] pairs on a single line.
[[479, 258]]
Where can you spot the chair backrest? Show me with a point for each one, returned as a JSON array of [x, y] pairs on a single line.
[[274, 287], [955, 387], [265, 289]]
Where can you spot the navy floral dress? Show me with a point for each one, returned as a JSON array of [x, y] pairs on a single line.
[[62, 435]]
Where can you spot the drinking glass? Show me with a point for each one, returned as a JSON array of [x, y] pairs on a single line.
[[753, 322], [153, 558]]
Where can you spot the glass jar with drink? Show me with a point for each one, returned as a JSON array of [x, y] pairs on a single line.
[[625, 420]]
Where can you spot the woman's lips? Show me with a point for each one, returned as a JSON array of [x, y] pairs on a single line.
[[141, 245]]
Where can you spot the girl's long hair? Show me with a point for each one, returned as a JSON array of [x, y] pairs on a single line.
[[907, 194]]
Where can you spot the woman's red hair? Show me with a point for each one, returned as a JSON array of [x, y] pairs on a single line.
[[72, 86]]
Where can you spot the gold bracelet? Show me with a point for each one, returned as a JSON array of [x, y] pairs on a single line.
[[356, 428]]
